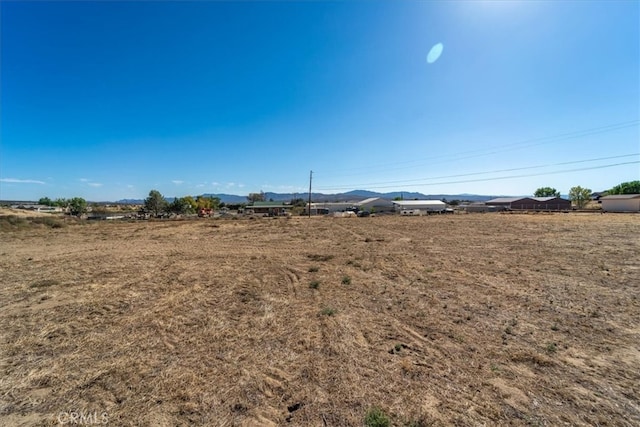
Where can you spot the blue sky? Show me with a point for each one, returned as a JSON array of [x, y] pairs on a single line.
[[108, 100]]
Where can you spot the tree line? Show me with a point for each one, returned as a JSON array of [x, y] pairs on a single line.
[[75, 206], [580, 196], [156, 204]]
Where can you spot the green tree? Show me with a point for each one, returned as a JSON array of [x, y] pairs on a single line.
[[77, 206], [298, 202], [45, 201], [63, 203], [631, 187], [192, 203], [579, 196], [546, 192], [207, 202], [181, 205], [155, 203], [256, 197]]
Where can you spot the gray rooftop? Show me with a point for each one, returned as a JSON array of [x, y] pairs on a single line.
[[621, 197], [504, 200]]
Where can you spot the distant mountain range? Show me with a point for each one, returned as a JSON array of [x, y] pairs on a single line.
[[350, 196]]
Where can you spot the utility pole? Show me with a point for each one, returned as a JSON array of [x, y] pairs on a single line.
[[309, 205]]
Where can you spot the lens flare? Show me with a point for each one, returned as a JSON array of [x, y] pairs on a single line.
[[435, 53]]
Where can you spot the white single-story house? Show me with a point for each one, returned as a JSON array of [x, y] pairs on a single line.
[[417, 206], [621, 203]]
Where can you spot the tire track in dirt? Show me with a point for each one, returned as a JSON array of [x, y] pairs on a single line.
[[350, 231], [294, 280]]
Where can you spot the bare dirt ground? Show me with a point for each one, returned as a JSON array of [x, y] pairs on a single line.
[[444, 320]]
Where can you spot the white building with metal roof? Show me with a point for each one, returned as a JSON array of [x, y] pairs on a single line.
[[621, 203], [376, 204]]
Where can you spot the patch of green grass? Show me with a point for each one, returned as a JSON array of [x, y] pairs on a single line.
[[376, 418], [346, 280], [314, 284], [328, 311], [551, 348]]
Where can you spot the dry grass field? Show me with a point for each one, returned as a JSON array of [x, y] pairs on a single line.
[[465, 320]]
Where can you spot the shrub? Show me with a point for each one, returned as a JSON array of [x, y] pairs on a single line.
[[314, 284], [346, 280], [328, 311], [376, 418]]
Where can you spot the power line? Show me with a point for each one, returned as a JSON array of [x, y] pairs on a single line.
[[469, 154], [372, 184], [497, 178]]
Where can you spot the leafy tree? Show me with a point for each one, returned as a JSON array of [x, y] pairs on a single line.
[[631, 187], [579, 196], [181, 205], [63, 203], [256, 197], [155, 203], [546, 192], [45, 201], [299, 202], [77, 206], [207, 202], [192, 203]]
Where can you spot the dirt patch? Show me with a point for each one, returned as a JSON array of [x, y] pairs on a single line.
[[462, 319]]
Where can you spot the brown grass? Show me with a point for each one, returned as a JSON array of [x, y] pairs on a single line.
[[449, 320]]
